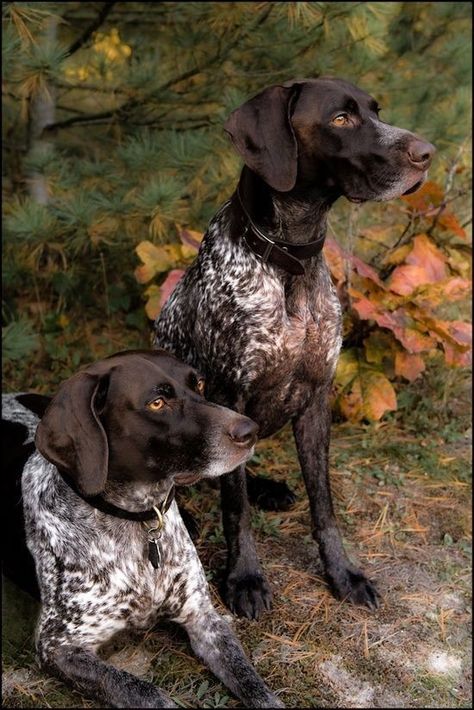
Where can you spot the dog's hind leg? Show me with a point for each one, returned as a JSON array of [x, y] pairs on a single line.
[[268, 494]]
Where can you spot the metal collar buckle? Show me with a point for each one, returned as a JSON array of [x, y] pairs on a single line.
[[155, 532]]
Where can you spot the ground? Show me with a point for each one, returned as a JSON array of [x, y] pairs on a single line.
[[403, 499]]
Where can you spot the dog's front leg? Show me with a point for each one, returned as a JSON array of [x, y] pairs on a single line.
[[312, 434], [246, 590], [214, 642], [100, 681]]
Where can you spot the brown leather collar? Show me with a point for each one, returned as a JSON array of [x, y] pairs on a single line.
[[110, 509], [283, 254]]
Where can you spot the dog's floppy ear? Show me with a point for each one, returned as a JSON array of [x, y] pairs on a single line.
[[262, 133], [71, 436]]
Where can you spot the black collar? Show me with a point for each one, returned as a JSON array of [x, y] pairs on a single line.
[[284, 254], [110, 509]]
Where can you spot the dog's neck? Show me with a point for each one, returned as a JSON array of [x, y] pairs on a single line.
[[298, 216], [137, 498]]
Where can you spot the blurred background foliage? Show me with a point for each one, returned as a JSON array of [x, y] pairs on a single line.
[[115, 159]]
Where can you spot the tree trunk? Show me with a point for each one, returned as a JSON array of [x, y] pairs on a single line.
[[41, 114]]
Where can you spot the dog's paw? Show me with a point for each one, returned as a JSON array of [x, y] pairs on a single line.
[[349, 584], [268, 494], [247, 595]]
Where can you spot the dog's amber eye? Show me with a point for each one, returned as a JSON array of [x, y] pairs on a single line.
[[201, 386], [157, 404], [340, 120]]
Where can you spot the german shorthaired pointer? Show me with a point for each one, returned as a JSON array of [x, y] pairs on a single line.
[[110, 548], [257, 312]]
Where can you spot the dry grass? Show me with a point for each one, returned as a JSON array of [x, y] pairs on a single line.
[[404, 510]]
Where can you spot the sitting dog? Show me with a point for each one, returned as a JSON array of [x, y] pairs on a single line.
[[257, 312], [109, 545]]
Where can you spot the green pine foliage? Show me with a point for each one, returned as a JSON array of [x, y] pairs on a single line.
[[141, 91]]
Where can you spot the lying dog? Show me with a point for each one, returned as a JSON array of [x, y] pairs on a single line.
[[257, 312], [109, 545]]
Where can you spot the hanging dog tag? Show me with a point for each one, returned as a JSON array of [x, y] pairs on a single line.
[[154, 554]]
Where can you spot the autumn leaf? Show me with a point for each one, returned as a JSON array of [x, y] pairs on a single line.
[[425, 263], [347, 367], [397, 256], [366, 271], [459, 261], [449, 221], [455, 358], [169, 284], [456, 333], [378, 395], [350, 403], [335, 258], [190, 238], [413, 340], [408, 365], [152, 306], [368, 397], [157, 259], [407, 278], [363, 392], [430, 194], [448, 290], [378, 346], [425, 253], [158, 295]]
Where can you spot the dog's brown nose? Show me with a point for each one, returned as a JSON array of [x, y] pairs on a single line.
[[243, 431], [420, 153]]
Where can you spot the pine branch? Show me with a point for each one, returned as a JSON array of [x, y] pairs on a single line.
[[81, 41], [122, 112]]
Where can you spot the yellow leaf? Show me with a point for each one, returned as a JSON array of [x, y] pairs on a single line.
[[408, 365], [347, 368], [156, 259], [378, 395], [378, 345], [397, 256], [363, 392], [350, 403], [153, 304]]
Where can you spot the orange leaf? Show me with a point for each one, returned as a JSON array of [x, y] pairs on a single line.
[[449, 221], [363, 392], [378, 394], [413, 340], [338, 258], [350, 403], [368, 397], [455, 358], [405, 279], [408, 366], [335, 258], [448, 290], [427, 255], [456, 333], [429, 195], [366, 271]]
